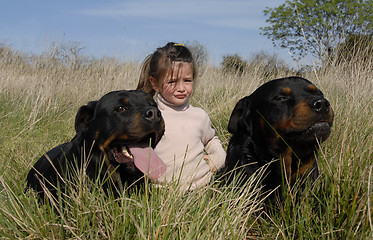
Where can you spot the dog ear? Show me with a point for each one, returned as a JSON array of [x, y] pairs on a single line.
[[239, 118], [84, 115]]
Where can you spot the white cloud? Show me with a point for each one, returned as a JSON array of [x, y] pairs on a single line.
[[241, 23], [224, 13]]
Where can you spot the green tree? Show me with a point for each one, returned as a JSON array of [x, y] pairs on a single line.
[[317, 26]]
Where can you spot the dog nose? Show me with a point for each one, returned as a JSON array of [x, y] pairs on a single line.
[[152, 114], [320, 105]]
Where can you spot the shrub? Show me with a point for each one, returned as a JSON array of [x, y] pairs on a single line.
[[355, 48], [234, 64], [199, 53], [269, 64]]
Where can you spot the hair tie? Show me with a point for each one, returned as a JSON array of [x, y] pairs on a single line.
[[178, 44]]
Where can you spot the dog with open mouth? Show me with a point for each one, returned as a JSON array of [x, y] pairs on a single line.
[[114, 141], [280, 125]]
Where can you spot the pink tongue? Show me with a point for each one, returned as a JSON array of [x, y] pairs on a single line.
[[147, 161]]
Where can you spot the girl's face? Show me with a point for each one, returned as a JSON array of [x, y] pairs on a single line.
[[177, 85]]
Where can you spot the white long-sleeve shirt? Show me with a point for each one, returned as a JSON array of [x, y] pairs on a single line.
[[188, 136]]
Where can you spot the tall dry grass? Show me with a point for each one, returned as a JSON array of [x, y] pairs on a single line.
[[40, 95]]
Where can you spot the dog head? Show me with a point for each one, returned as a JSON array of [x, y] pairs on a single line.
[[288, 111], [124, 126]]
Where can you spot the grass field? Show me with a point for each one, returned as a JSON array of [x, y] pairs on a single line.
[[39, 97]]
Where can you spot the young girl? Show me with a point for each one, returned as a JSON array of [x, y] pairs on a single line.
[[189, 146]]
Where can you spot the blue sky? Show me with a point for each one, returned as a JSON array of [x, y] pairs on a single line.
[[131, 29]]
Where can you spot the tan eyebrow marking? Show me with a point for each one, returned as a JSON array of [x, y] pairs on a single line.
[[312, 88], [286, 90], [125, 101]]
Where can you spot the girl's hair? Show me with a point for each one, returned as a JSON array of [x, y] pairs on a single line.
[[160, 62]]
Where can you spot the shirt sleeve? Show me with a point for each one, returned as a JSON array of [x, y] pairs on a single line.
[[213, 146]]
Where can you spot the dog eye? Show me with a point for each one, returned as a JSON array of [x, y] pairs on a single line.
[[120, 109], [281, 98]]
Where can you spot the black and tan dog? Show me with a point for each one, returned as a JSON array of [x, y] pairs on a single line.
[[112, 142], [284, 120]]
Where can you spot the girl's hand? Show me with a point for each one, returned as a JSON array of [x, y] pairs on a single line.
[[209, 162]]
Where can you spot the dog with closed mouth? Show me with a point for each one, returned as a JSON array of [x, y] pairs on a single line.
[[280, 126], [114, 140]]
